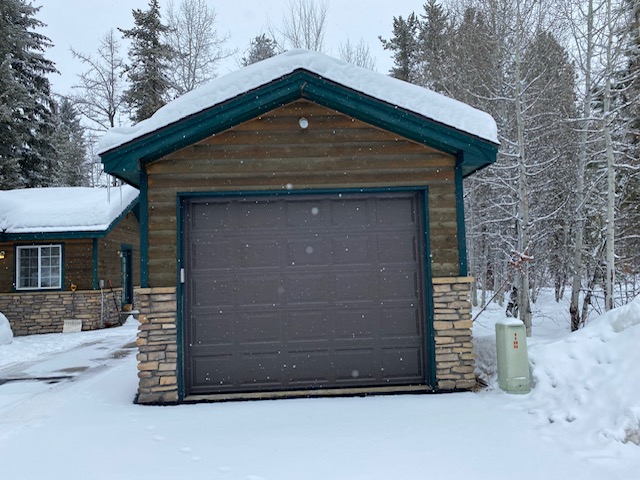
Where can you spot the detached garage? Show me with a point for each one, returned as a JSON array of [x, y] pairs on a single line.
[[302, 233]]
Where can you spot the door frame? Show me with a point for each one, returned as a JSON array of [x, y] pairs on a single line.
[[126, 273], [184, 198]]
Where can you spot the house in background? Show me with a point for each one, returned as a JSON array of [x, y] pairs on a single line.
[[302, 233], [67, 253]]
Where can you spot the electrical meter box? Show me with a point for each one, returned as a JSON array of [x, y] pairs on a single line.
[[513, 359]]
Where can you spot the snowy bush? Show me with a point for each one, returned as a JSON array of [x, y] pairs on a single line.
[[6, 335]]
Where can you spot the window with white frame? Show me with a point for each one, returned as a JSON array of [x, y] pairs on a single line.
[[39, 267]]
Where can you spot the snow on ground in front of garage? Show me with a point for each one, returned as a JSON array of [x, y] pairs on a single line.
[[86, 426]]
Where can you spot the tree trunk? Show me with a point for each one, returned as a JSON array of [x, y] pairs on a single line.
[[523, 190], [580, 172], [611, 172]]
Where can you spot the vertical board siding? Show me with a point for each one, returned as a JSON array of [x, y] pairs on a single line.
[[272, 152]]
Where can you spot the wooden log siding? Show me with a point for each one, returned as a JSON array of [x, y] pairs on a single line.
[[272, 152], [126, 232]]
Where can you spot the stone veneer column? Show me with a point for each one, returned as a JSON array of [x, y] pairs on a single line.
[[452, 322], [157, 346]]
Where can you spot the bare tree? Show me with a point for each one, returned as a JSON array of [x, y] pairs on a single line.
[[99, 93], [304, 24], [198, 46], [357, 54]]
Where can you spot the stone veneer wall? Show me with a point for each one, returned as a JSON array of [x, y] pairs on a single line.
[[32, 313], [157, 346], [452, 322]]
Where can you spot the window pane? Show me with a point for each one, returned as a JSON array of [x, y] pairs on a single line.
[[28, 267]]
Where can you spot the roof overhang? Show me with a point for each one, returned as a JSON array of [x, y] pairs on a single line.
[[127, 161]]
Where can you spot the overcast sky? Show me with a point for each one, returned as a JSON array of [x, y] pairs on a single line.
[[81, 23]]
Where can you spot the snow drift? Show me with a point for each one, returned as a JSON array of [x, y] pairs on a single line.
[[6, 335], [590, 381]]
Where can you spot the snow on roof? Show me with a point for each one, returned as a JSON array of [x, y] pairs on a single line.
[[63, 209], [396, 92]]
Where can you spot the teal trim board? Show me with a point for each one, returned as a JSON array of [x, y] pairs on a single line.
[[126, 161], [180, 366], [144, 231], [429, 334], [462, 236]]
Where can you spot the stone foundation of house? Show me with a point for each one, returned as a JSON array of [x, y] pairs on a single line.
[[31, 313], [158, 340], [452, 322], [157, 346]]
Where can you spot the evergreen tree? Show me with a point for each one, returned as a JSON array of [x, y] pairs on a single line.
[[435, 47], [70, 151], [149, 58], [261, 47], [404, 46], [25, 97]]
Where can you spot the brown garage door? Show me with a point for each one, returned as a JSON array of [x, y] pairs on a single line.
[[303, 292]]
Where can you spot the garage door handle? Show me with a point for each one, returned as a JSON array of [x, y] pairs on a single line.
[[182, 275]]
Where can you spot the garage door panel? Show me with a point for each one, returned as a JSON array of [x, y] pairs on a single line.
[[396, 212], [399, 285], [208, 292], [295, 292], [402, 363], [355, 323], [309, 369], [401, 321], [355, 365], [302, 326], [255, 253], [212, 328], [208, 254], [306, 214], [259, 289], [301, 287], [307, 251], [257, 369], [351, 249], [353, 286], [351, 212], [395, 248], [205, 218], [255, 215], [258, 328], [212, 371]]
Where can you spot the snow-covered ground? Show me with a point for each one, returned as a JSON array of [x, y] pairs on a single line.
[[579, 421]]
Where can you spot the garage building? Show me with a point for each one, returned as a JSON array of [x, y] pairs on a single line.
[[302, 233]]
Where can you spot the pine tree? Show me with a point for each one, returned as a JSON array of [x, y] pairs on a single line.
[[261, 47], [435, 47], [70, 151], [149, 58], [25, 97], [404, 46]]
